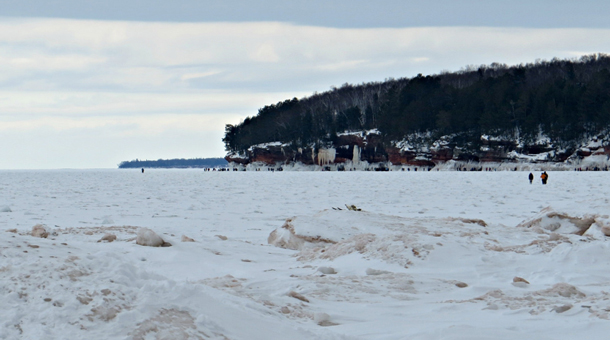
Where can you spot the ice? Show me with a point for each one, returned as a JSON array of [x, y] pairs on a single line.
[[269, 255], [147, 237]]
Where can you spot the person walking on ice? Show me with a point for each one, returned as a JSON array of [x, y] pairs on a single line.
[[531, 177], [544, 177]]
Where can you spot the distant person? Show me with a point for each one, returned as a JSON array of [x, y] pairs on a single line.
[[142, 170], [544, 177], [531, 177]]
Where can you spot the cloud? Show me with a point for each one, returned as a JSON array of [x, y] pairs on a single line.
[[50, 63], [123, 126], [348, 64], [20, 104], [265, 53], [420, 59], [199, 75], [136, 56]]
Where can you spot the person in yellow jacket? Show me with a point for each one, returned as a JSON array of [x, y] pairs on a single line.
[[544, 177]]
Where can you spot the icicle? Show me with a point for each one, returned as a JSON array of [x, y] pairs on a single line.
[[326, 156], [356, 157]]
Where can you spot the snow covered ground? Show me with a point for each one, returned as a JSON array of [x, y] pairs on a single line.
[[430, 255]]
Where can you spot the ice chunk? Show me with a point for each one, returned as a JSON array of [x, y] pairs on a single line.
[[327, 270], [147, 237]]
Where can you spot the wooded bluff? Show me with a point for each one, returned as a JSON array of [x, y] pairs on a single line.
[[545, 111]]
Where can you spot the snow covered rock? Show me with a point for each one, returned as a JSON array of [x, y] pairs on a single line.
[[564, 308], [520, 282], [601, 228], [40, 231], [322, 228], [371, 271], [552, 221], [563, 289], [520, 279], [298, 296], [331, 234], [327, 270], [6, 209], [108, 238], [147, 237], [285, 237], [321, 319]]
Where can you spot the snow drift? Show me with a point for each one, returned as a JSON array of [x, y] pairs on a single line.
[[430, 255]]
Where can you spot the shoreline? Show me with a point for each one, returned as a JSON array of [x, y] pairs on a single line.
[[445, 166]]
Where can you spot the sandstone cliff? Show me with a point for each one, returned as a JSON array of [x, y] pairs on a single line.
[[366, 150]]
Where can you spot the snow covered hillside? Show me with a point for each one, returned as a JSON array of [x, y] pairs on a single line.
[[303, 255]]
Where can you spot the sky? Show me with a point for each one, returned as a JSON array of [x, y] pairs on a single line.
[[88, 84]]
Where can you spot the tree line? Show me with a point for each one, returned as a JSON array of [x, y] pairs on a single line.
[[175, 163], [563, 99]]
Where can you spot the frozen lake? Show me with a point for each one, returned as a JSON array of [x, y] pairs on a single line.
[[396, 263], [188, 197]]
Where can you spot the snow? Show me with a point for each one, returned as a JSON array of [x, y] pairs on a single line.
[[361, 133], [266, 145], [595, 144], [428, 255]]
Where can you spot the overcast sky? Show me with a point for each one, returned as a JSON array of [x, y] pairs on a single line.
[[88, 84]]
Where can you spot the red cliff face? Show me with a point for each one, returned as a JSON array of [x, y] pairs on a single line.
[[442, 154], [269, 155], [351, 140], [372, 149], [396, 157], [231, 158]]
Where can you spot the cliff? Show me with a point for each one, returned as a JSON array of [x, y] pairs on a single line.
[[365, 150]]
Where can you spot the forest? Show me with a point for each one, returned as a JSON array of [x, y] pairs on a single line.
[[562, 99], [175, 163]]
